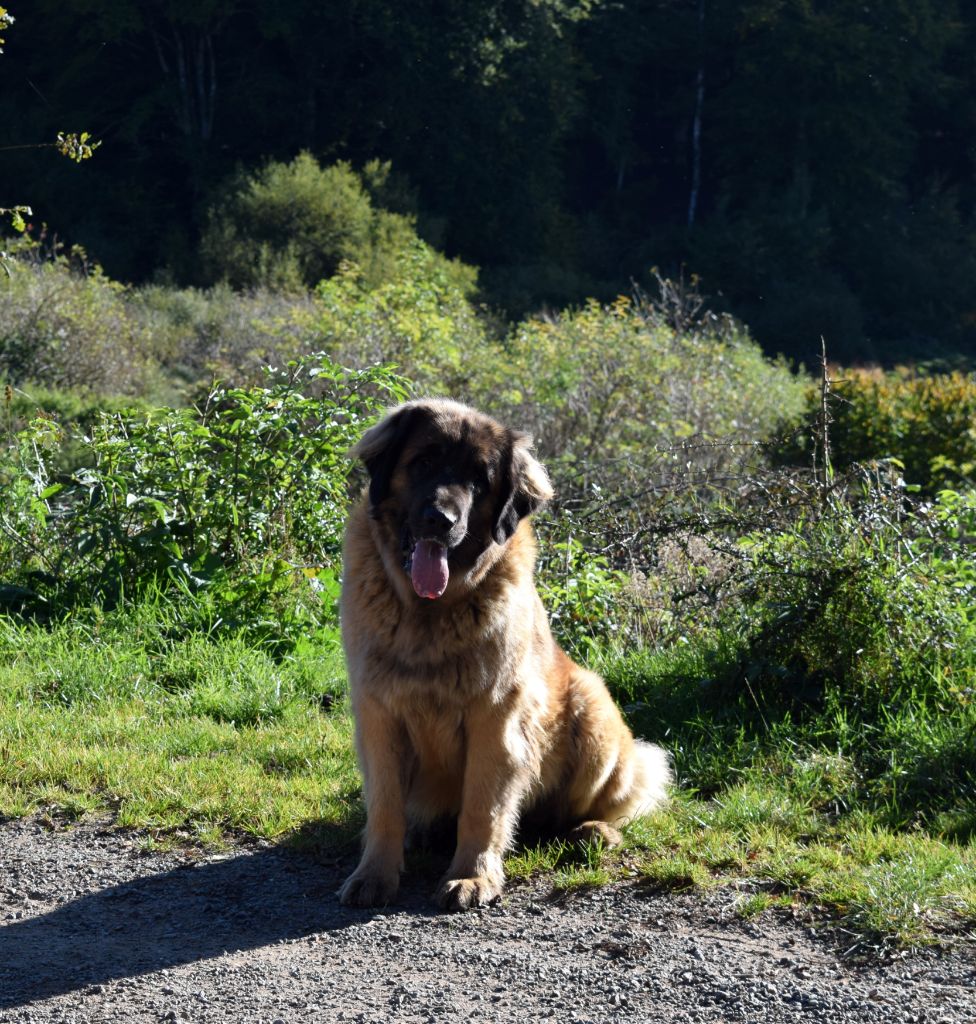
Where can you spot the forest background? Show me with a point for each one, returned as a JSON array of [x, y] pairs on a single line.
[[813, 163]]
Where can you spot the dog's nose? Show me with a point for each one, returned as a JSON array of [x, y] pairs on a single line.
[[438, 518]]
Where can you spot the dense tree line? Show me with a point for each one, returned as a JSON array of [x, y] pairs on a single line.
[[812, 161]]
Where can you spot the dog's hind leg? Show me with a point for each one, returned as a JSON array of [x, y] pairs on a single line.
[[595, 833], [635, 783]]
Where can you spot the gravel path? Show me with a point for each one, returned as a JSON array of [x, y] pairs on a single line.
[[91, 930]]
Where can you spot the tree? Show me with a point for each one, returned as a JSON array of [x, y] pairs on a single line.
[[811, 161]]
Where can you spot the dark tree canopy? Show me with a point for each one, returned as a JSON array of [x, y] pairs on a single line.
[[813, 162]]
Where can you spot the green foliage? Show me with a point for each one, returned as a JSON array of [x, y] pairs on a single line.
[[16, 215], [6, 20], [65, 325], [202, 334], [241, 503], [289, 226], [927, 423], [584, 597], [842, 661], [827, 597], [617, 395], [420, 319], [76, 146], [74, 412]]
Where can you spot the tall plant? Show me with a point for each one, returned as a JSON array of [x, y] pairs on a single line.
[[236, 501]]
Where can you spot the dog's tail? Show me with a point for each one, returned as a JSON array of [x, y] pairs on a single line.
[[652, 777]]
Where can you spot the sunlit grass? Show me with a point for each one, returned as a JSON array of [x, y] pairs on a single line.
[[205, 738], [902, 887], [200, 739]]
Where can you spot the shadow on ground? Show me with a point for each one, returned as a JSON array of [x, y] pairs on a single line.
[[186, 914]]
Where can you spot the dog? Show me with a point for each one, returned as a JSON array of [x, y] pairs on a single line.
[[465, 707]]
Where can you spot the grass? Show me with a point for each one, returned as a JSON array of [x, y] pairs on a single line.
[[858, 799], [205, 739], [906, 888], [199, 738], [884, 887]]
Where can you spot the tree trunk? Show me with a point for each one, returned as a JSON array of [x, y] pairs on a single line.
[[193, 69], [696, 122]]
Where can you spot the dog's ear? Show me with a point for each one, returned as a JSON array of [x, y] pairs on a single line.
[[525, 486], [380, 448]]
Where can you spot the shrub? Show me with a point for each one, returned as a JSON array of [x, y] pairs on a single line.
[[583, 595], [927, 423], [237, 502], [846, 631], [74, 412], [640, 410], [852, 599], [289, 226], [216, 332], [420, 319], [615, 396], [65, 328]]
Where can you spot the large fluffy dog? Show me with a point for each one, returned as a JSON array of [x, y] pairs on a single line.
[[464, 704]]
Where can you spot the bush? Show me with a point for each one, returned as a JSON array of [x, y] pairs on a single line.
[[584, 597], [216, 332], [62, 330], [420, 320], [75, 413], [857, 598], [926, 423], [846, 632], [67, 328], [237, 503], [289, 226], [615, 396]]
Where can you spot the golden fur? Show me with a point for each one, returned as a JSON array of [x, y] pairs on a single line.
[[465, 705]]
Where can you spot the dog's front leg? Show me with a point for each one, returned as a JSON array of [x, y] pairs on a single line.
[[496, 775], [380, 743]]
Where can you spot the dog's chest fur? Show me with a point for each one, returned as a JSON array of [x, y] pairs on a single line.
[[446, 651]]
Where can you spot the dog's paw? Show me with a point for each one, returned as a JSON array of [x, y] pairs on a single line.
[[465, 893], [596, 833], [368, 889]]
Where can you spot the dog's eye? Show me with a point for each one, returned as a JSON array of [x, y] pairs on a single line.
[[425, 462]]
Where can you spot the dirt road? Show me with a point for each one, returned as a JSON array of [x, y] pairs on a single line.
[[92, 929]]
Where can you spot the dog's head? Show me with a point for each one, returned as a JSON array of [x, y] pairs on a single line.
[[450, 482]]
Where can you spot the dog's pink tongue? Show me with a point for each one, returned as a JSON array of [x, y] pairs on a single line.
[[429, 571]]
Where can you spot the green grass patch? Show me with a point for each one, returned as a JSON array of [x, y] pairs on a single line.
[[853, 791], [201, 737], [906, 888], [857, 803]]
